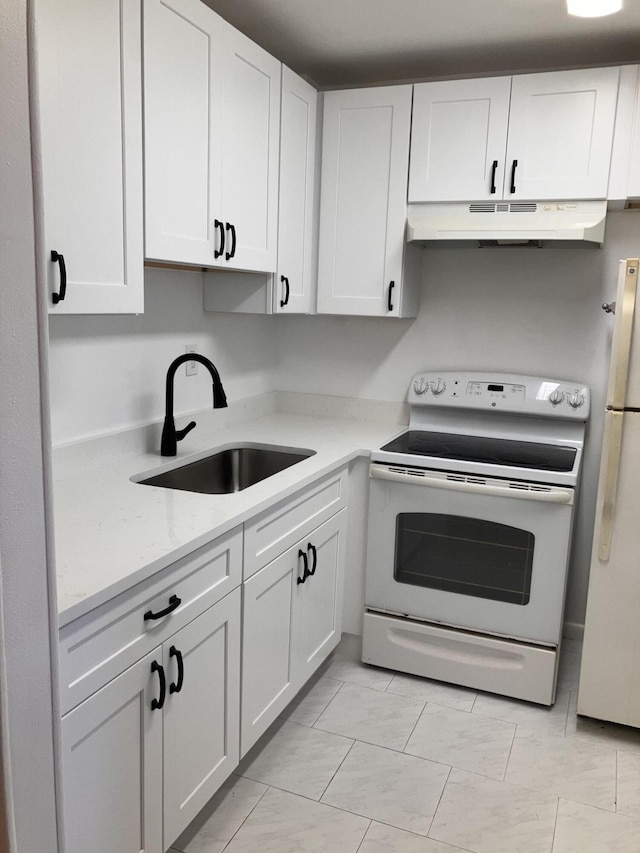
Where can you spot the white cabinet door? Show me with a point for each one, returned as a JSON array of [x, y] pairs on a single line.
[[267, 679], [183, 98], [633, 190], [317, 625], [365, 159], [458, 139], [561, 134], [91, 147], [294, 290], [111, 761], [249, 174], [201, 715]]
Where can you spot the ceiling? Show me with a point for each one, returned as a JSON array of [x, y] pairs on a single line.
[[356, 42]]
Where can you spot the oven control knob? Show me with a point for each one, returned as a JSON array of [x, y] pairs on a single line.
[[576, 400], [420, 387], [556, 397], [438, 387]]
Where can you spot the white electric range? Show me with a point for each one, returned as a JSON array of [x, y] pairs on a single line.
[[470, 521]]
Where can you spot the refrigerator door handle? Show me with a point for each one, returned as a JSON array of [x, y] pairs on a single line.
[[622, 333], [611, 445]]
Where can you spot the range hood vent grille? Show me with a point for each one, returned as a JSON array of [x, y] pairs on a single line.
[[515, 207], [507, 222]]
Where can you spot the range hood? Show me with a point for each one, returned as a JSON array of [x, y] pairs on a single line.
[[507, 222]]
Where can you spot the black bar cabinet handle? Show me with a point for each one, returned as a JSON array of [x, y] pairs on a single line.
[[514, 166], [305, 559], [232, 229], [177, 687], [58, 297], [174, 602], [392, 284], [493, 176], [314, 553], [220, 226], [157, 704], [285, 300]]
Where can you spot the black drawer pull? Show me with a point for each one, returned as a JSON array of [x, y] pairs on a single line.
[[392, 284], [174, 602], [314, 553], [174, 653], [285, 299], [58, 297], [513, 175], [232, 253], [157, 704], [493, 176], [305, 559], [220, 226]]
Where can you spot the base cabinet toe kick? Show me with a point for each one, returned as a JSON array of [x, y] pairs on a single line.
[[165, 687]]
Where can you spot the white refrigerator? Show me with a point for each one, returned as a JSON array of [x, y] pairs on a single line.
[[610, 673]]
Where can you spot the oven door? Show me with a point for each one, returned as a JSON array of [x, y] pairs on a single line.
[[480, 553]]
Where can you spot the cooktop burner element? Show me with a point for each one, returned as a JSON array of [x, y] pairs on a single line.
[[474, 448]]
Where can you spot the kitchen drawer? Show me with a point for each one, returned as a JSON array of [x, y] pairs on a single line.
[[98, 646], [270, 534]]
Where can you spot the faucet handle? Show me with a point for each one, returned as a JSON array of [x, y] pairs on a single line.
[[180, 433]]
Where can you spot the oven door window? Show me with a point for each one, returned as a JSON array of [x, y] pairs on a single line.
[[467, 556]]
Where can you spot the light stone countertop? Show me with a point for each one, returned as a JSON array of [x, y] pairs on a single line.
[[112, 533]]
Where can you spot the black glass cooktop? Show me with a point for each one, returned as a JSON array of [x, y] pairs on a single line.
[[491, 451]]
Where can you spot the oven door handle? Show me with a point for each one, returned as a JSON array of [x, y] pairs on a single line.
[[553, 495]]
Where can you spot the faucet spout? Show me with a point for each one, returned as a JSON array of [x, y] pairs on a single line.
[[171, 436]]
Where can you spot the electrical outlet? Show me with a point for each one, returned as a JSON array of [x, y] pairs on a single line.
[[191, 366]]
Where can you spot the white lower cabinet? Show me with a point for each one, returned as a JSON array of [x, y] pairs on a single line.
[[112, 767], [292, 619], [201, 717], [142, 756], [161, 694]]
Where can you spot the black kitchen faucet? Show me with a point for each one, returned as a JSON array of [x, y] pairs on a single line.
[[171, 436]]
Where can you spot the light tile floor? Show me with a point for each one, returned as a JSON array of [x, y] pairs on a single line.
[[369, 761]]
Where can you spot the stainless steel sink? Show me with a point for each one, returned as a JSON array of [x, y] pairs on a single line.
[[229, 470]]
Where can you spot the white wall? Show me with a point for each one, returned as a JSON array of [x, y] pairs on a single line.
[[523, 310], [108, 372]]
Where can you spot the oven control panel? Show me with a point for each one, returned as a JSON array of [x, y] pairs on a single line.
[[513, 393]]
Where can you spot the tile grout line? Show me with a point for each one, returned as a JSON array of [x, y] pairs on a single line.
[[247, 816], [513, 740], [365, 835], [555, 826], [435, 811], [348, 752], [419, 717]]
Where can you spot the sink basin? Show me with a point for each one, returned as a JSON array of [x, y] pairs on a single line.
[[229, 470]]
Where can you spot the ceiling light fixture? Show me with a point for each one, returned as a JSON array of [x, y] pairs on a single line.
[[593, 8]]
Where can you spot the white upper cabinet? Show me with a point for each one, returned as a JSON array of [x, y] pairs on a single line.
[[211, 112], [362, 249], [183, 130], [561, 134], [458, 139], [250, 134], [534, 136], [294, 279], [89, 88], [633, 190]]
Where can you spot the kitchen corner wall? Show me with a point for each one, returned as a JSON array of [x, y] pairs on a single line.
[[520, 310], [108, 372]]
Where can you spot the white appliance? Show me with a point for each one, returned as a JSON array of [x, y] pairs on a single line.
[[610, 676], [508, 222], [470, 520]]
